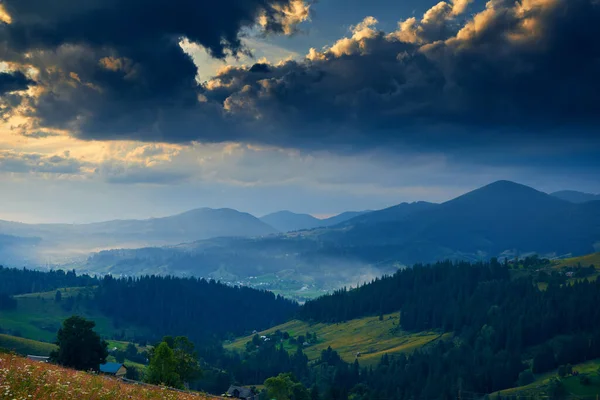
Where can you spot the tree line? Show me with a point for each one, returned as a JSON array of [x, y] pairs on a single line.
[[201, 309], [14, 281]]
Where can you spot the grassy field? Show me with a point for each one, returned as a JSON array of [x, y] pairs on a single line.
[[572, 384], [584, 261], [25, 346], [39, 317], [369, 336], [23, 379]]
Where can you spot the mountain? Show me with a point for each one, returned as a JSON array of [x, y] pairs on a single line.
[[576, 197], [345, 216], [15, 249], [394, 213], [502, 216], [287, 221], [503, 219], [198, 224]]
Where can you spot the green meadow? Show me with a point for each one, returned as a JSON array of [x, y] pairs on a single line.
[[368, 336], [572, 384], [25, 346], [38, 316]]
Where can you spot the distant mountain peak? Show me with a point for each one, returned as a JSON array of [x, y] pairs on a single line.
[[503, 189], [507, 185]]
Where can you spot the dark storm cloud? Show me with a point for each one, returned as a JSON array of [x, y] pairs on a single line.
[[114, 68], [13, 82], [516, 70], [527, 68]]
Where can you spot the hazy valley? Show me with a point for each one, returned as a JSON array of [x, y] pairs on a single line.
[[503, 219]]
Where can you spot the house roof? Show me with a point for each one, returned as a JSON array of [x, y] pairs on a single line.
[[38, 358], [244, 392], [111, 368]]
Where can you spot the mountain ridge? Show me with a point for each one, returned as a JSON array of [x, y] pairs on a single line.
[[288, 221], [574, 196]]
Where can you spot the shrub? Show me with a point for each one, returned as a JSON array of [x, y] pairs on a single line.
[[526, 377]]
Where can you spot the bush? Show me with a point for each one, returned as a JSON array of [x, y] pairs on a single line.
[[584, 380], [526, 377]]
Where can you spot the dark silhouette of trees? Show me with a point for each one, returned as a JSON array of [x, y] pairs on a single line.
[[79, 346], [7, 302], [197, 308], [163, 367], [15, 281]]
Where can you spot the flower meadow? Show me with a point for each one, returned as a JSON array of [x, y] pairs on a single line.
[[22, 379]]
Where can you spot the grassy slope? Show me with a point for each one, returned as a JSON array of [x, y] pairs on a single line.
[[39, 317], [558, 265], [585, 261], [369, 336], [21, 379], [571, 383], [25, 346]]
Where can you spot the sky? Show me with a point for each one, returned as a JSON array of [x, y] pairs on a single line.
[[113, 109]]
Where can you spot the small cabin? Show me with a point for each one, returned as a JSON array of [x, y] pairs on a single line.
[[114, 369], [239, 392]]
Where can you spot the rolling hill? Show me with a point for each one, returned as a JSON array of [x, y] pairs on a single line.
[[287, 221], [501, 219], [38, 317], [58, 241], [368, 336]]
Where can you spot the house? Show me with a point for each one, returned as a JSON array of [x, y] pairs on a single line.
[[239, 392], [114, 369], [38, 358]]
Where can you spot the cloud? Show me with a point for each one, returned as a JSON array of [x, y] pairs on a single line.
[[13, 82], [25, 163], [116, 68], [145, 176], [514, 72]]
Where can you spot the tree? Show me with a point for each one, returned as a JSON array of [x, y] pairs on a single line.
[[131, 352], [163, 367], [314, 393], [188, 367], [286, 387], [556, 389], [120, 356], [132, 373], [544, 360], [79, 346]]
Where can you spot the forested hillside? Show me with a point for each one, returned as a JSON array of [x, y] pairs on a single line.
[[194, 307], [488, 326], [505, 330], [159, 306], [20, 281]]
